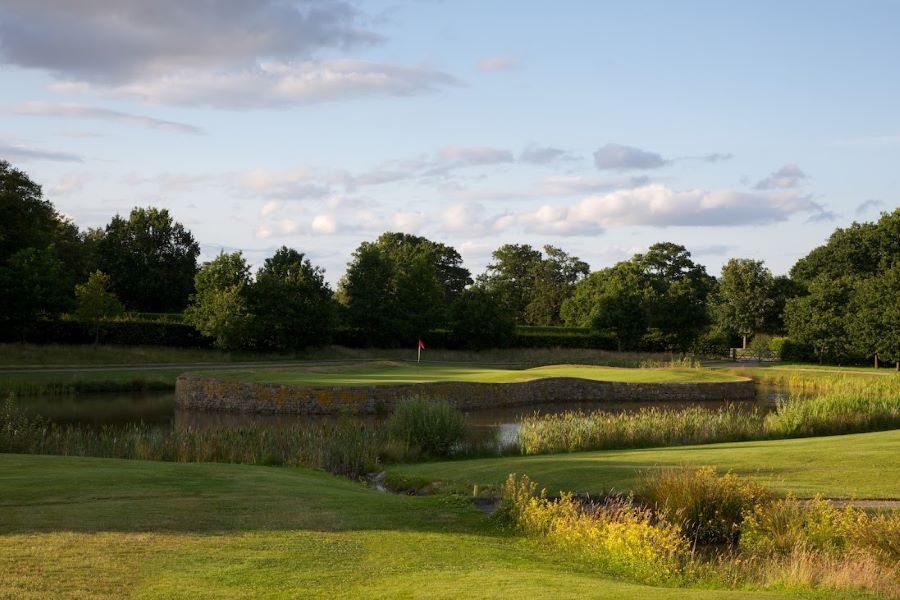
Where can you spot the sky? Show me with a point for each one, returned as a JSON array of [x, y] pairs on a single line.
[[737, 129]]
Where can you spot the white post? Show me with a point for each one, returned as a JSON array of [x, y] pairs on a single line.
[[419, 357]]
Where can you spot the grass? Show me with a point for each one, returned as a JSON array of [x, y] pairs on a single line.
[[87, 382], [860, 466], [393, 373], [105, 528]]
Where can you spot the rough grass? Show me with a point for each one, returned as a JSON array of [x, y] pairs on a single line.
[[863, 465], [103, 528], [387, 373]]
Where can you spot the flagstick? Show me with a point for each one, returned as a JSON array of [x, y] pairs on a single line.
[[419, 357]]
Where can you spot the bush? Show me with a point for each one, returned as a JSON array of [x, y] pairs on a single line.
[[121, 332], [433, 428], [709, 508]]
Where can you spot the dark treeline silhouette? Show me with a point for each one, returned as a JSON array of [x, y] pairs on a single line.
[[839, 304]]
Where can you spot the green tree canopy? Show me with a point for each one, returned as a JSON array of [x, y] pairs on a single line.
[[743, 298], [94, 302], [819, 320], [399, 287], [291, 303], [219, 308], [151, 260], [533, 286], [478, 321], [33, 285]]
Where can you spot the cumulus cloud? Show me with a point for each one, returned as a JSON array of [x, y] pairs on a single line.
[[220, 53], [497, 63], [324, 225], [20, 153], [619, 157], [408, 221], [80, 111], [786, 177], [660, 206]]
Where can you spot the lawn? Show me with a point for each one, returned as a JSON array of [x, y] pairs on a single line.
[[865, 465], [105, 528], [393, 373]]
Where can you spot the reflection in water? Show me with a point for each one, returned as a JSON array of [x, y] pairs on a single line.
[[498, 427]]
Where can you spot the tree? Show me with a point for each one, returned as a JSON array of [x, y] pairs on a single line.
[[819, 321], [219, 308], [531, 286], [94, 303], [478, 320], [554, 279], [511, 277], [874, 316], [33, 285], [743, 297], [291, 303], [151, 260], [399, 287]]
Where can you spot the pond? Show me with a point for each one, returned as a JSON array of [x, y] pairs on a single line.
[[159, 408]]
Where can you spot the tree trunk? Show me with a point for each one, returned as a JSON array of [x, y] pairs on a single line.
[[745, 340], [876, 360]]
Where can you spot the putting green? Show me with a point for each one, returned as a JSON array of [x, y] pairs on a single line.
[[396, 373]]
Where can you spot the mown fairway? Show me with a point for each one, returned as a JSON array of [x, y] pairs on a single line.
[[865, 465], [102, 528], [391, 373]]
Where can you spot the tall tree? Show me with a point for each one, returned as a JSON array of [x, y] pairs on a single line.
[[291, 303], [819, 320], [873, 321], [511, 277], [478, 321], [743, 297], [33, 285], [95, 303], [219, 308], [400, 286], [151, 260]]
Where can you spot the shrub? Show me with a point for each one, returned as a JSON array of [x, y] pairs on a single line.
[[433, 428], [708, 507]]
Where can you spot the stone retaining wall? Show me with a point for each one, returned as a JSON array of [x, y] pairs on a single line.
[[210, 394]]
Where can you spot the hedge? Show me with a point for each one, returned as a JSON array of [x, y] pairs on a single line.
[[119, 332]]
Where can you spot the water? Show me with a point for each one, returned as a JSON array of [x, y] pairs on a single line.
[[498, 426]]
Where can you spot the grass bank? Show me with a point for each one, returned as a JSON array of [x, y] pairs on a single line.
[[865, 465], [104, 528]]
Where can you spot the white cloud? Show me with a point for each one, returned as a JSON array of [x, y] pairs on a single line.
[[660, 206], [21, 153], [324, 225], [80, 111], [786, 177], [497, 63], [270, 208], [70, 183], [408, 221]]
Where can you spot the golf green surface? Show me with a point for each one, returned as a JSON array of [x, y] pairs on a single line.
[[864, 465], [107, 528], [394, 373]]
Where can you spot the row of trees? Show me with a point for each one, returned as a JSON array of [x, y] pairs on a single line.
[[839, 303]]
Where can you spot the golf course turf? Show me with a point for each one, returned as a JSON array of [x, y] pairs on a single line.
[[106, 528], [393, 373]]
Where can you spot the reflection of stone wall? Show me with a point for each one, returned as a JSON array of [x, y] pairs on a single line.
[[198, 393]]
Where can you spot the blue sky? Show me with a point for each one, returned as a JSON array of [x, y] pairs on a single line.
[[737, 129]]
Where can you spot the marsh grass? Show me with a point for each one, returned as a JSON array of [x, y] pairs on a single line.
[[768, 543], [432, 428], [834, 405]]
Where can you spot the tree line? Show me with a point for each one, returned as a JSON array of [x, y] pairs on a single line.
[[840, 303]]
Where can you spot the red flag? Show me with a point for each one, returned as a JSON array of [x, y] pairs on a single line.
[[421, 345]]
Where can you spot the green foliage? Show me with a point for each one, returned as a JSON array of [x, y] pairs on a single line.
[[151, 260], [291, 303], [743, 298], [478, 321], [873, 320], [400, 287], [432, 428], [820, 319], [530, 287], [33, 286], [709, 508], [219, 306], [95, 303]]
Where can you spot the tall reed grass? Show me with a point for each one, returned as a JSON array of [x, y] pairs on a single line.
[[757, 541], [851, 406]]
